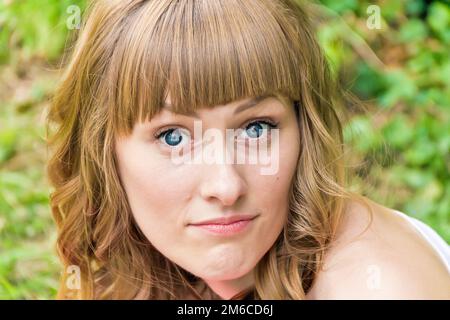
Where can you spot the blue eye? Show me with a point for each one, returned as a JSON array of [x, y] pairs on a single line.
[[256, 128], [172, 137]]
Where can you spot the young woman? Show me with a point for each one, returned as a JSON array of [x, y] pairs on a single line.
[[143, 215]]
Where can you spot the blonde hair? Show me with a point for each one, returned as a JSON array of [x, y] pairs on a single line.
[[128, 56]]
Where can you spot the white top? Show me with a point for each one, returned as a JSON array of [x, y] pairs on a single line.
[[431, 236]]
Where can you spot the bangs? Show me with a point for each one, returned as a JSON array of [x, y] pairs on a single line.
[[202, 53]]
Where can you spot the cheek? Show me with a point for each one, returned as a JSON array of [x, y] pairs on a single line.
[[275, 187], [272, 191], [154, 185], [272, 194], [156, 190]]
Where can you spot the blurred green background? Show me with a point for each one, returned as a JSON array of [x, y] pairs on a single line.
[[401, 144]]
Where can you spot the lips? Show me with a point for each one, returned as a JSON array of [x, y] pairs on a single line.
[[225, 220], [228, 226]]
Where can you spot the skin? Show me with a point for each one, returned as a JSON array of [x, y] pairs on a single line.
[[165, 197], [388, 260]]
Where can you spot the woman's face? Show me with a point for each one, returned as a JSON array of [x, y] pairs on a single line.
[[168, 196]]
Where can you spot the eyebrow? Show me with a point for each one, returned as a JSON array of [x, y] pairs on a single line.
[[243, 106]]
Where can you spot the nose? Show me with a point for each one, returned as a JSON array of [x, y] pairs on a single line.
[[223, 183]]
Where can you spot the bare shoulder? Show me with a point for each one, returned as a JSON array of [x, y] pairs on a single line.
[[380, 258]]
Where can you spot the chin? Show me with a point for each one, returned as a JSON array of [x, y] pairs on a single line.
[[225, 275]]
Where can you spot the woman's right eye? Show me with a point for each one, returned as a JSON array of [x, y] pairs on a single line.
[[173, 137]]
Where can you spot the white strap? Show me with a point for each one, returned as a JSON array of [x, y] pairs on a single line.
[[431, 236]]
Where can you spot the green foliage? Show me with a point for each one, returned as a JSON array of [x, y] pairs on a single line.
[[34, 28], [402, 72], [32, 35]]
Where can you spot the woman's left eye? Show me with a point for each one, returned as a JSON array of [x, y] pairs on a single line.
[[256, 129]]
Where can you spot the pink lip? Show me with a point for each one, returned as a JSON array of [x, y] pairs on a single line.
[[226, 220], [226, 226]]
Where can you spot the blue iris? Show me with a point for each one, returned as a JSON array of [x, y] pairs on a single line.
[[259, 129], [173, 139]]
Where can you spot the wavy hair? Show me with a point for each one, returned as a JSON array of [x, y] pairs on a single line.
[[128, 55]]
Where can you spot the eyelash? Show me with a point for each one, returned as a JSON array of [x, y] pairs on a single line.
[[272, 124]]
